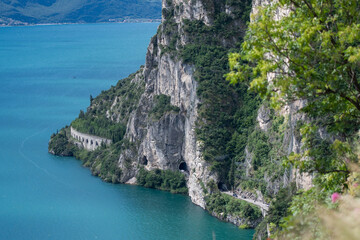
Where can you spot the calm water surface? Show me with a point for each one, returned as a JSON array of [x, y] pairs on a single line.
[[47, 74]]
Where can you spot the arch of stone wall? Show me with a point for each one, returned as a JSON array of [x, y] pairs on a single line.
[[88, 141]]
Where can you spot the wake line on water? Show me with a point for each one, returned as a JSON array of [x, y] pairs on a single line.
[[33, 162], [36, 165], [55, 178]]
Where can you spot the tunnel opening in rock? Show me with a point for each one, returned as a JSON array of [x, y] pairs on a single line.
[[144, 160], [183, 167], [222, 186]]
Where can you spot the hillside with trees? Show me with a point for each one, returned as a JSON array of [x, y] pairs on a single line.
[[23, 12]]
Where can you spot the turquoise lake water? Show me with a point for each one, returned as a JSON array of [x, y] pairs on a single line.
[[47, 74]]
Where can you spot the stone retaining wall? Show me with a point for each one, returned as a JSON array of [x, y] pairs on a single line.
[[89, 142]]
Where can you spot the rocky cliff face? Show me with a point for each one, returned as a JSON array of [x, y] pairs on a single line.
[[170, 142]]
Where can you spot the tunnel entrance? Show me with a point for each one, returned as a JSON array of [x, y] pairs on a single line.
[[144, 160], [183, 167], [222, 186]]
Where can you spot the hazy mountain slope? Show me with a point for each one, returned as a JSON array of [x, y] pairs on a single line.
[[57, 11]]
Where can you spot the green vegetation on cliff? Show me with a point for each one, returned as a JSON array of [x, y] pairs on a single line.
[[221, 103], [120, 100], [60, 145], [227, 113], [99, 126], [226, 205], [279, 208], [162, 105], [166, 180], [103, 161], [265, 153]]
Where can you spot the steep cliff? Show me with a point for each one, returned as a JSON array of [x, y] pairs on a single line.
[[170, 142], [176, 56]]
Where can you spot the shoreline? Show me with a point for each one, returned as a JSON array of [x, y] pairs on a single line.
[[24, 24], [75, 138]]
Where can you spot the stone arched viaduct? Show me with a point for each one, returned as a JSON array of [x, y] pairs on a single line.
[[89, 142]]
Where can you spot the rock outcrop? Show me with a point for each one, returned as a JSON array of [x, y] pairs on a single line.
[[171, 140]]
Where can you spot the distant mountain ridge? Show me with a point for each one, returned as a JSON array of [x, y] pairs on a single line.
[[19, 12]]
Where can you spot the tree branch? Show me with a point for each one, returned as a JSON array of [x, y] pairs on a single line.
[[354, 80], [352, 101], [279, 50], [311, 8]]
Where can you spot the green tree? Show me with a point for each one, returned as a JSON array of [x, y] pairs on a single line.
[[81, 114], [311, 53]]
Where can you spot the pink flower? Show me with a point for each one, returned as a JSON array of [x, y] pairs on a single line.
[[334, 197], [355, 185]]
